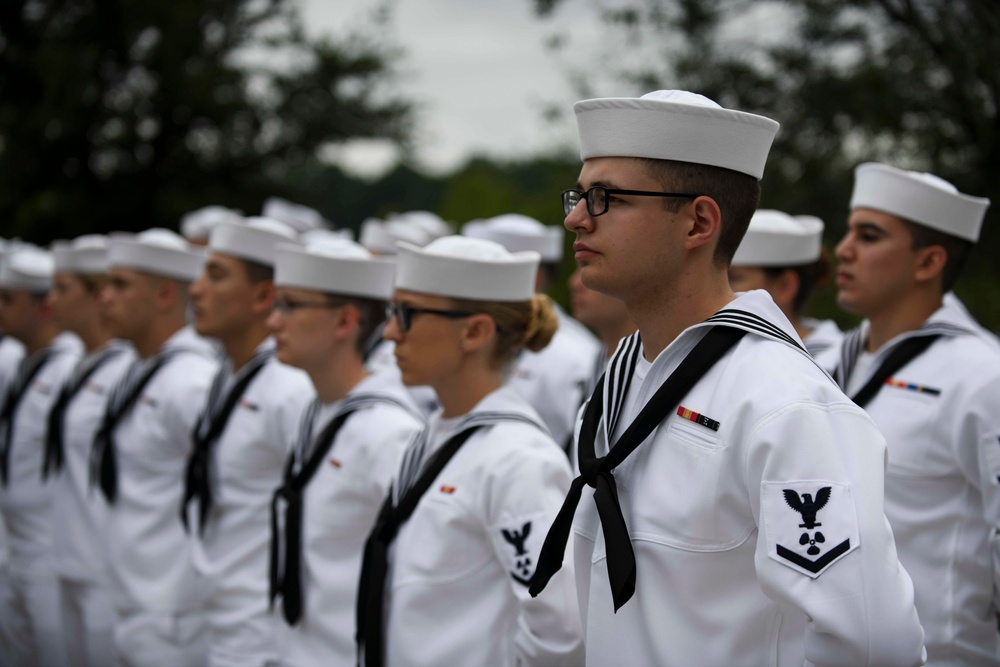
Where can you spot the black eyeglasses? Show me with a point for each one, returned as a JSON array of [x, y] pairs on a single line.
[[286, 306], [597, 198], [404, 314]]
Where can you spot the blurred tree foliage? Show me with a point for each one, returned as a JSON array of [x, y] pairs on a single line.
[[914, 83], [122, 115]]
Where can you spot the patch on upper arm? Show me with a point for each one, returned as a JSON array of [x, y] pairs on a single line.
[[809, 524], [519, 544]]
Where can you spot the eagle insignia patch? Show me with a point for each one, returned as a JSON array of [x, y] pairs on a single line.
[[518, 544], [810, 525]]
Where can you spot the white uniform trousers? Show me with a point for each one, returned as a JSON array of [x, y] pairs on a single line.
[[147, 639], [88, 622], [34, 622]]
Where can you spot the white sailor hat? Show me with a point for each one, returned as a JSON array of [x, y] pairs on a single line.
[[198, 224], [467, 268], [158, 251], [311, 235], [430, 222], [83, 255], [381, 236], [778, 239], [518, 233], [253, 239], [335, 266], [29, 269], [298, 217], [918, 197], [675, 125]]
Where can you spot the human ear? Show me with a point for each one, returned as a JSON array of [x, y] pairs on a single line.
[[704, 219]]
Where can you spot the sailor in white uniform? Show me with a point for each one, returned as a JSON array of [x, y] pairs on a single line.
[[929, 376], [242, 439], [736, 516], [25, 502], [380, 237], [331, 297], [142, 448], [784, 255], [11, 354], [79, 515], [555, 378], [446, 568]]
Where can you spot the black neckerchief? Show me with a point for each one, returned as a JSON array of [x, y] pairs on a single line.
[[304, 462], [26, 374], [901, 353], [598, 472], [374, 566], [103, 460], [208, 430], [55, 434]]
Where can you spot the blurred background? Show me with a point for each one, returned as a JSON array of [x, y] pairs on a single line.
[[123, 115]]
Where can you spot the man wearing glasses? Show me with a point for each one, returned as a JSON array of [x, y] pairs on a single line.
[[736, 516], [242, 439]]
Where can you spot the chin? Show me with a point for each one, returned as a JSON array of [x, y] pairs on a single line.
[[284, 357], [410, 380], [849, 305]]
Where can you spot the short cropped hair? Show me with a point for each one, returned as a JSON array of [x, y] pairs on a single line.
[[258, 272], [736, 194], [957, 250]]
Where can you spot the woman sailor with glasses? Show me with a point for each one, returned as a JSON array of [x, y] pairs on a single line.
[[330, 296], [447, 565]]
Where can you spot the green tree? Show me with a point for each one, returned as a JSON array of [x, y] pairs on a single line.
[[125, 115], [914, 83]]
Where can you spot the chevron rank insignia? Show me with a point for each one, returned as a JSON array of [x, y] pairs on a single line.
[[809, 524]]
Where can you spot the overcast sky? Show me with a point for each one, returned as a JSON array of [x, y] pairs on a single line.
[[479, 71]]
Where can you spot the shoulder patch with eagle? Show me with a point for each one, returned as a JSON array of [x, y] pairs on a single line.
[[809, 524]]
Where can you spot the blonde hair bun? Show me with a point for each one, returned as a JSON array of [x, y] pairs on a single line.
[[542, 324]]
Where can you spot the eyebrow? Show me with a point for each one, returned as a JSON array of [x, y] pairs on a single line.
[[865, 226], [602, 184]]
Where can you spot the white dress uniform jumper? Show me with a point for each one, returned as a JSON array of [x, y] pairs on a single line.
[[337, 478], [79, 512], [26, 503], [241, 444], [139, 462], [448, 584], [750, 529], [940, 414]]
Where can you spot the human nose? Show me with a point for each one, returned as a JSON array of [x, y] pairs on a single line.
[[275, 320], [392, 331], [196, 288], [845, 249], [579, 218]]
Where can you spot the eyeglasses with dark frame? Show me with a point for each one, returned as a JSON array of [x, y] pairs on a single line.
[[404, 314], [598, 202], [286, 306]]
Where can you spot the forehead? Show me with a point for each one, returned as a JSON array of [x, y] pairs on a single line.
[[129, 276], [218, 261], [419, 299], [615, 172], [887, 222], [298, 293]]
